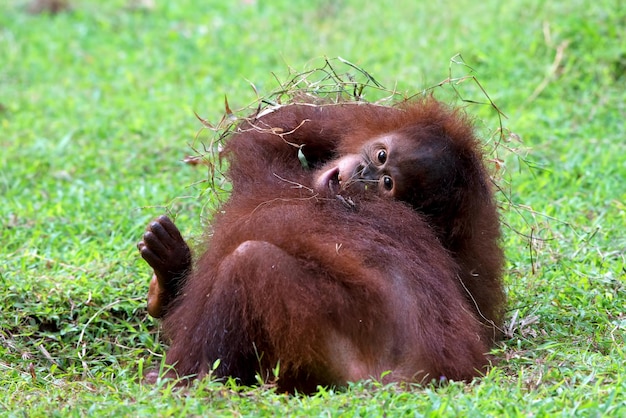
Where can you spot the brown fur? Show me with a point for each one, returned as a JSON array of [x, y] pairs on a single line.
[[334, 292], [452, 188]]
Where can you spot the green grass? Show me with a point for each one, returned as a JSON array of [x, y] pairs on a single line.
[[97, 112]]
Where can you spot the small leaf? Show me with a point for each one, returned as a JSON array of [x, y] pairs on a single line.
[[195, 160], [226, 107], [205, 122], [302, 158]]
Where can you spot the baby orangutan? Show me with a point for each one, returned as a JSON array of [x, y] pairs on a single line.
[[406, 280]]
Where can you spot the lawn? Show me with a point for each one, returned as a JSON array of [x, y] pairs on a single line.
[[98, 109]]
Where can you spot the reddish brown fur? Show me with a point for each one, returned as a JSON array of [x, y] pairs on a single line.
[[457, 199], [336, 293]]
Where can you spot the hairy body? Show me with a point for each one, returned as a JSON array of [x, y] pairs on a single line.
[[403, 279]]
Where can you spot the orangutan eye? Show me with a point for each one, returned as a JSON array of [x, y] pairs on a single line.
[[387, 182], [382, 156]]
